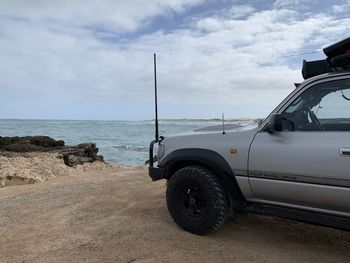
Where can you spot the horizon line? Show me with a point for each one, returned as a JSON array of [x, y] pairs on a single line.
[[162, 119]]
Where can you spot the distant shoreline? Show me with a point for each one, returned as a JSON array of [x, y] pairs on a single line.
[[166, 119]]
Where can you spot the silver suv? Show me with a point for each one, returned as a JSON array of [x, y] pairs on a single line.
[[294, 164]]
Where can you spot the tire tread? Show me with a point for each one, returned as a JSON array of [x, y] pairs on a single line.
[[204, 176]]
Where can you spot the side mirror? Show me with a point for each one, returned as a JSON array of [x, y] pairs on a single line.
[[275, 123]]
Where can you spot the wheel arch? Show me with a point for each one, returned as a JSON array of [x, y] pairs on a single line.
[[211, 160]]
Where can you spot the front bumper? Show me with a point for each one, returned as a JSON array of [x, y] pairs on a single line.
[[156, 173]]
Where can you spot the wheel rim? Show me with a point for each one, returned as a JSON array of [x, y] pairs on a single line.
[[192, 202]]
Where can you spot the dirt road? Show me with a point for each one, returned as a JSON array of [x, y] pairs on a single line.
[[117, 215]]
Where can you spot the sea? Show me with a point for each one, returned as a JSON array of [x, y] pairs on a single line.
[[123, 143]]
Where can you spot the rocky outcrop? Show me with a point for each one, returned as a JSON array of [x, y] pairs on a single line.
[[71, 155], [29, 144], [80, 154]]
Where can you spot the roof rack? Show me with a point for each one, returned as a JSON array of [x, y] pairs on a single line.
[[338, 59]]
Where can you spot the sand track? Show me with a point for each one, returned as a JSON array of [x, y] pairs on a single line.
[[116, 215]]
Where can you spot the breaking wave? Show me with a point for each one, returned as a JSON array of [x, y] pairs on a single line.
[[131, 148]]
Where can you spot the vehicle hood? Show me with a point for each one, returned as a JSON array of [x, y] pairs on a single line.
[[218, 129], [213, 139]]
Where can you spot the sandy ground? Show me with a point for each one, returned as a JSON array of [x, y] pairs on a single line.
[[109, 214]]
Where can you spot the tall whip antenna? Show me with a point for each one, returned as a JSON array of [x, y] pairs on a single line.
[[223, 123], [155, 94]]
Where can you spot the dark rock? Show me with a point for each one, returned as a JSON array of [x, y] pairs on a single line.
[[82, 153], [71, 155], [72, 160], [29, 144]]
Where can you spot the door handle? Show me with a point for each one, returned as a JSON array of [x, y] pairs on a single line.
[[345, 152]]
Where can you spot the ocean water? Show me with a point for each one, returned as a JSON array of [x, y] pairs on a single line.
[[120, 142]]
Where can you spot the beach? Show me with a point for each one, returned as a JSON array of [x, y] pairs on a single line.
[[239, 110], [103, 213]]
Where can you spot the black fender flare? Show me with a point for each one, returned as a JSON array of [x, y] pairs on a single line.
[[207, 158]]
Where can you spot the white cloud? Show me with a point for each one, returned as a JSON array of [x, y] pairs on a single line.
[[343, 8], [286, 3], [292, 3], [230, 60], [238, 11], [107, 14]]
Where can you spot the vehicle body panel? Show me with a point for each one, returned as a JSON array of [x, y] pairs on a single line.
[[302, 168], [222, 144]]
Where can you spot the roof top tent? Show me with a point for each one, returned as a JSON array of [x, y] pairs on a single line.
[[338, 58]]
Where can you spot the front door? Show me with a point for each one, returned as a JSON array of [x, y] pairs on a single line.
[[308, 163]]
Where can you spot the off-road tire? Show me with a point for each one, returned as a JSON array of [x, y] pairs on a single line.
[[207, 190]]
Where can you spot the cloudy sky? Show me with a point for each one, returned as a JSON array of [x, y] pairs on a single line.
[[77, 59]]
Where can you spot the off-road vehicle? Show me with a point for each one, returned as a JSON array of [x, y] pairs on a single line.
[[293, 164]]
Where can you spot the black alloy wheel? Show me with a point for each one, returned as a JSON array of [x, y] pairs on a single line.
[[196, 200]]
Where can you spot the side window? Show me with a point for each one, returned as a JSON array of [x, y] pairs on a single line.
[[323, 107]]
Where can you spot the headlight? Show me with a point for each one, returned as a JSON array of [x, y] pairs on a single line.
[[161, 150]]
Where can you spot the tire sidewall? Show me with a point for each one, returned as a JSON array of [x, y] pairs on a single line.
[[211, 191]]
